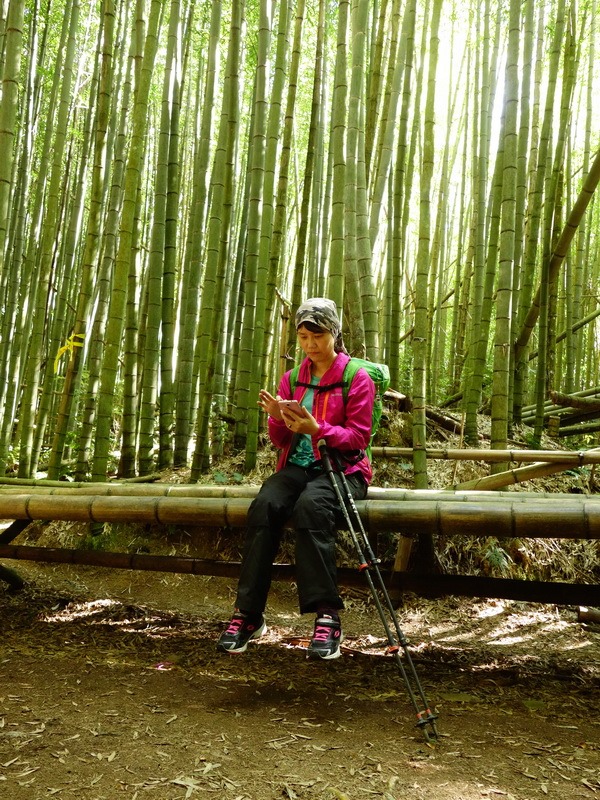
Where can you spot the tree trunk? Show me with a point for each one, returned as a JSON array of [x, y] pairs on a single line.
[[119, 290]]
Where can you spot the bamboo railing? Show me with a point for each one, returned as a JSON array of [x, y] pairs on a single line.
[[195, 490], [419, 512]]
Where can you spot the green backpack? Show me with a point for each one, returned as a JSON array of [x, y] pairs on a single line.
[[379, 374]]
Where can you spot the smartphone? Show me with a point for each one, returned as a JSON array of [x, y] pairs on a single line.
[[291, 405]]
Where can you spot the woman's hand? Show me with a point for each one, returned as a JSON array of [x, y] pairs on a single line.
[[269, 404], [303, 422], [297, 422]]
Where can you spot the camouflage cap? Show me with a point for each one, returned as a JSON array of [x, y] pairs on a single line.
[[322, 312]]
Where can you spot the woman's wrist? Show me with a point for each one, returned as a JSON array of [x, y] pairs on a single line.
[[320, 432]]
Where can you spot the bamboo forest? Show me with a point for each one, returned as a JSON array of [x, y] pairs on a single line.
[[177, 176]]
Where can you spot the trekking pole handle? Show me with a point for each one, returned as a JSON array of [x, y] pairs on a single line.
[[328, 465], [322, 447]]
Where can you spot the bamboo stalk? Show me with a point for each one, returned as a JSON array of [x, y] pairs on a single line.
[[552, 518], [579, 429], [130, 487], [578, 403]]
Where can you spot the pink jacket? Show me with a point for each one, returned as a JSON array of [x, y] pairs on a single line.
[[345, 426]]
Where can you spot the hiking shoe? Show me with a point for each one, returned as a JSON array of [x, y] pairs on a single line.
[[239, 632], [327, 638]]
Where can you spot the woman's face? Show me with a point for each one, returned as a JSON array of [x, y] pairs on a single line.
[[319, 347]]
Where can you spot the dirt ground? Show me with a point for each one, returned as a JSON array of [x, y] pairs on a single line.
[[111, 687]]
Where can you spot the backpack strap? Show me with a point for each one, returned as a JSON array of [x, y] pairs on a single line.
[[294, 377], [318, 388], [350, 371]]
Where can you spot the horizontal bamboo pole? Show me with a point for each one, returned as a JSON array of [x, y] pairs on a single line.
[[132, 482], [557, 592], [554, 518], [425, 584], [568, 457], [195, 490], [131, 490], [577, 429]]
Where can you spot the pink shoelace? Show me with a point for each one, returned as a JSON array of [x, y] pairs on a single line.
[[321, 633], [235, 624]]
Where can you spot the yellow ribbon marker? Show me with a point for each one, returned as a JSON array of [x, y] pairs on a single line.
[[68, 347]]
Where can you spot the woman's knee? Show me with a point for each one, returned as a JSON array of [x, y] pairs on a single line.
[[312, 514], [266, 509], [259, 511], [275, 500]]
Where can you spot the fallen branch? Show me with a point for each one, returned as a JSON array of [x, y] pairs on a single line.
[[444, 421]]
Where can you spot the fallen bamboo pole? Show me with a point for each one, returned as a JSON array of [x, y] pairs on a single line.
[[549, 406], [512, 476], [548, 518]]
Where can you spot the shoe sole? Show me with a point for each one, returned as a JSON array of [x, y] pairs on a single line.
[[256, 635]]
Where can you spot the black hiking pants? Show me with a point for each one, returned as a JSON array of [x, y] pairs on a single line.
[[307, 498]]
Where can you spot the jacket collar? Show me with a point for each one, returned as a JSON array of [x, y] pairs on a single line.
[[333, 374]]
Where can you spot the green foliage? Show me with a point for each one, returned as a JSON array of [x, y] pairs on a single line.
[[100, 536], [496, 560], [224, 478]]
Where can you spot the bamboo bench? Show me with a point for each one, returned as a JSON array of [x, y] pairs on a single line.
[[406, 512]]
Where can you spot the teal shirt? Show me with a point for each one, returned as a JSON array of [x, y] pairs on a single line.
[[302, 454]]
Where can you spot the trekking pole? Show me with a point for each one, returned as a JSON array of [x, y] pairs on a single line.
[[368, 565]]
